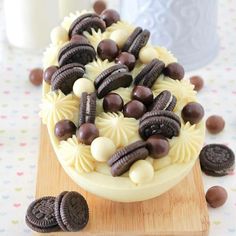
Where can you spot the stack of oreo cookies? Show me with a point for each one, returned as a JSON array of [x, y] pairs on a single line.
[[68, 212]]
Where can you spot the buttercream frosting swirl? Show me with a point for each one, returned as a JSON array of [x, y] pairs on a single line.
[[57, 106], [164, 55], [95, 68], [125, 93], [187, 145], [96, 37], [76, 155], [121, 25], [120, 129], [183, 90]]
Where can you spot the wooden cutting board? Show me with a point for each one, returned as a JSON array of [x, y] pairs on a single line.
[[181, 211]]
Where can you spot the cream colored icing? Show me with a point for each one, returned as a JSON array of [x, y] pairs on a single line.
[[164, 55], [50, 55], [56, 106], [96, 37], [121, 25], [187, 145], [96, 67], [161, 162], [125, 93], [141, 172], [76, 155], [68, 20], [183, 90], [117, 127], [120, 36]]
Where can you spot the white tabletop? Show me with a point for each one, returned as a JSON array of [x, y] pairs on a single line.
[[19, 126]]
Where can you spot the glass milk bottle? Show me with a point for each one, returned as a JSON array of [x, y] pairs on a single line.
[[29, 22]]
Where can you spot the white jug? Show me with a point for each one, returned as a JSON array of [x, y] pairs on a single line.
[[29, 22]]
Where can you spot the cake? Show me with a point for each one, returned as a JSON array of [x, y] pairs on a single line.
[[124, 123]]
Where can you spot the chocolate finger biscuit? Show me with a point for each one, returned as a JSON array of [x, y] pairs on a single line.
[[65, 77], [87, 108], [40, 215], [112, 78], [86, 22], [217, 160], [136, 41], [122, 160], [161, 122], [75, 51], [150, 73], [164, 101]]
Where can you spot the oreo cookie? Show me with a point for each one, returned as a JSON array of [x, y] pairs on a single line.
[[87, 108], [150, 73], [136, 41], [121, 161], [76, 51], [164, 101], [86, 22], [217, 160], [40, 215], [71, 211], [112, 78], [165, 123], [65, 77], [74, 211]]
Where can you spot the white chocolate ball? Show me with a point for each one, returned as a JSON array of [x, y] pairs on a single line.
[[102, 148], [141, 172], [59, 35], [120, 37], [147, 54], [83, 85]]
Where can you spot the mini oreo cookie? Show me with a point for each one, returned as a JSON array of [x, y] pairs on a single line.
[[164, 101], [217, 160], [65, 77], [87, 108], [74, 211], [112, 78], [76, 51], [57, 211], [161, 122], [150, 73], [136, 41], [40, 215], [121, 161], [86, 22]]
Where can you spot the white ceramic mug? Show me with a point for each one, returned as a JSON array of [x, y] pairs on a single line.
[[187, 27]]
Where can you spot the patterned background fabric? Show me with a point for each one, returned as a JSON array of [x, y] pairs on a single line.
[[19, 125]]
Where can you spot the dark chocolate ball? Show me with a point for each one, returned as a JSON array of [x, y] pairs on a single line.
[[215, 124], [216, 196], [64, 129], [197, 81], [79, 39], [143, 94], [36, 76], [113, 102], [110, 16], [47, 75], [99, 6], [127, 59], [192, 112], [158, 146], [86, 133], [107, 49], [174, 71], [134, 109]]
